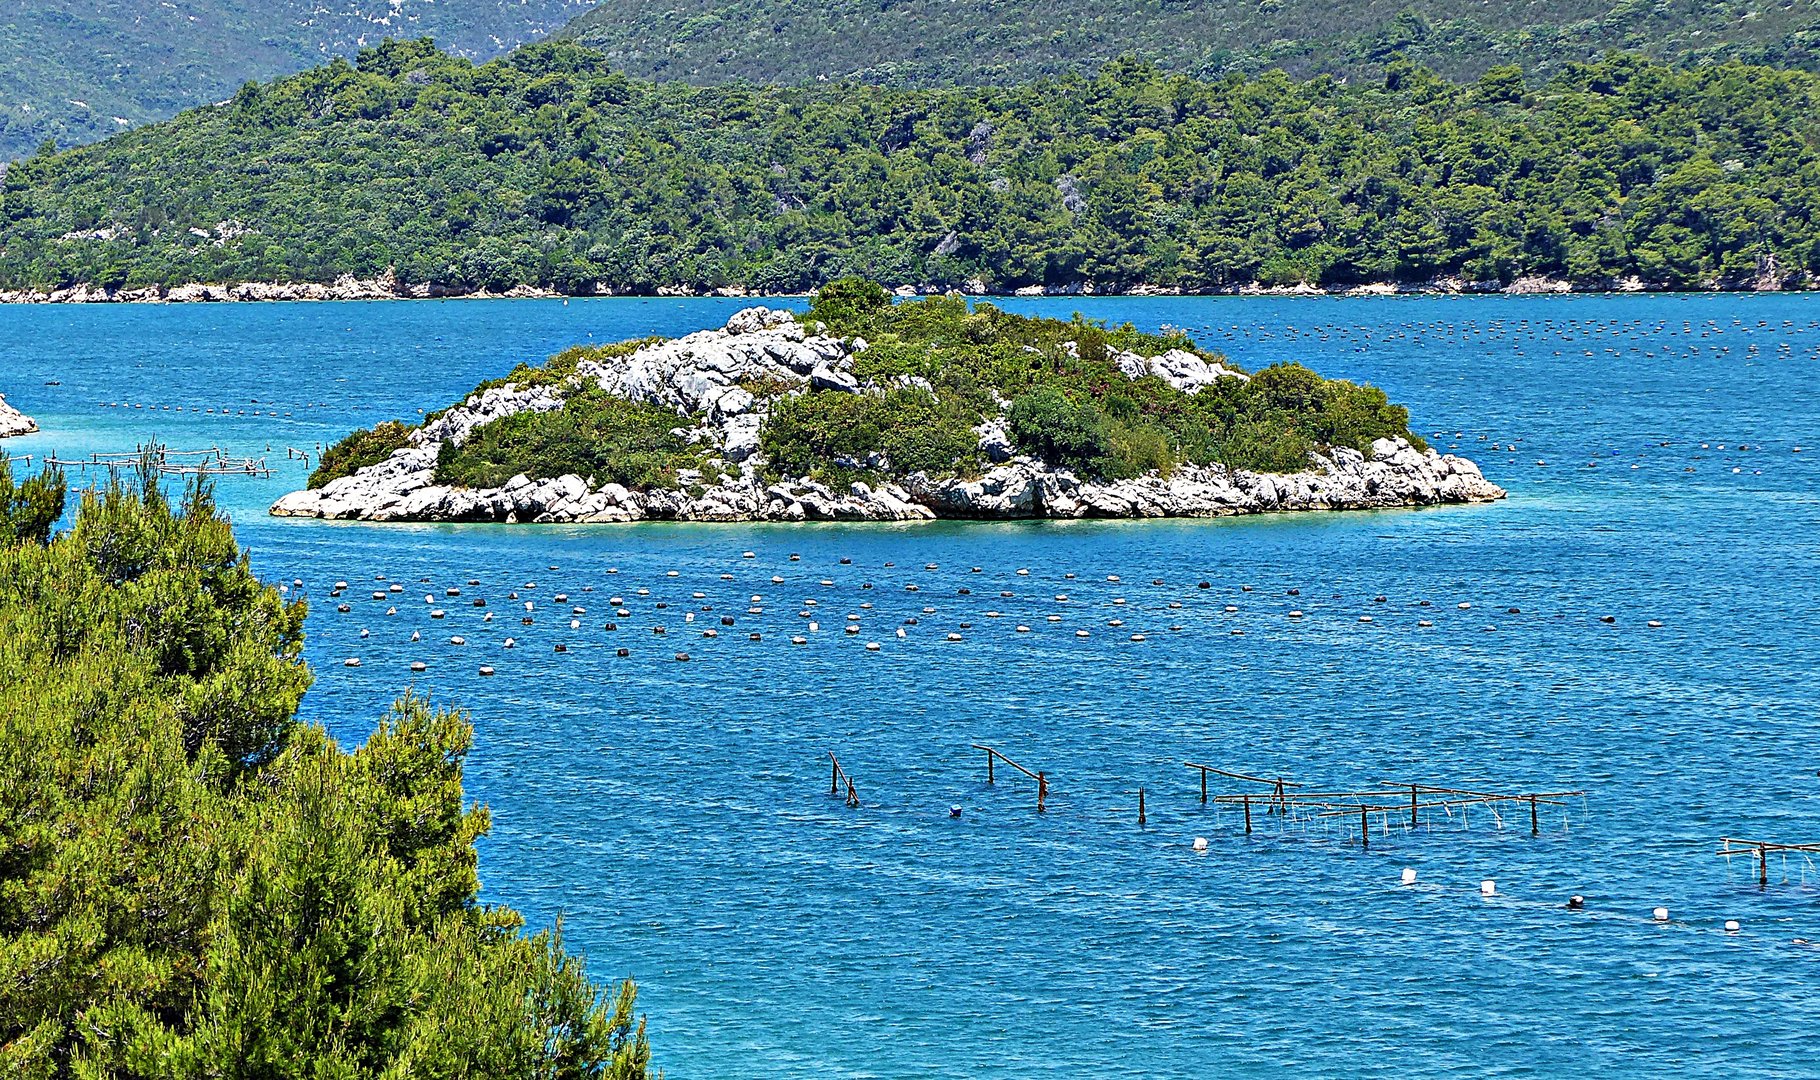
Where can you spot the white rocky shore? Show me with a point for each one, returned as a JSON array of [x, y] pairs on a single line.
[[14, 422], [700, 376]]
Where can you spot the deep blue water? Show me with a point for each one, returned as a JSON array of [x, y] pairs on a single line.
[[677, 816]]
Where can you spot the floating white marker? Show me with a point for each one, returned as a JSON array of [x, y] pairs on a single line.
[[871, 646], [350, 662], [900, 632], [485, 670], [1488, 887], [418, 665], [1465, 607], [1409, 875], [1660, 914], [1200, 843], [1731, 926]]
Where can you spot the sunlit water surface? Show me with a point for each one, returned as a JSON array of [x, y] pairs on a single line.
[[677, 815]]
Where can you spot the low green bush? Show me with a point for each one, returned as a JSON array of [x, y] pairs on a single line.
[[595, 435], [368, 446]]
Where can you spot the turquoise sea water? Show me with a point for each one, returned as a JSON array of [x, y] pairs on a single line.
[[677, 815]]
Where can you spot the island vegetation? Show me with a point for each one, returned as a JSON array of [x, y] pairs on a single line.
[[193, 883], [548, 168], [930, 373]]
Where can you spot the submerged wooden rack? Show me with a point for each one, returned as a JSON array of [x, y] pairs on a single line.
[[1287, 799], [840, 774], [159, 458], [1730, 846], [1041, 778]]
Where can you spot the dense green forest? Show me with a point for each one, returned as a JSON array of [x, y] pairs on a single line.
[[948, 42], [81, 70], [549, 168], [193, 884]]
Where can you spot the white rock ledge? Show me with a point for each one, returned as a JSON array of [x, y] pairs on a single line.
[[14, 422], [700, 375]]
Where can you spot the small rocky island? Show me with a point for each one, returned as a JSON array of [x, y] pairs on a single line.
[[869, 410], [14, 422]]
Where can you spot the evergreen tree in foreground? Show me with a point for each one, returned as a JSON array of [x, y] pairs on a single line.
[[194, 884]]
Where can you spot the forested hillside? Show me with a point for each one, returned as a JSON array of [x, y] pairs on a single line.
[[549, 168], [937, 42], [80, 70]]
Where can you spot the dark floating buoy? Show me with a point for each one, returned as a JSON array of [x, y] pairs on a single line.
[[682, 656], [561, 647], [1205, 585], [486, 669], [954, 811], [1576, 902], [1608, 618], [622, 652]]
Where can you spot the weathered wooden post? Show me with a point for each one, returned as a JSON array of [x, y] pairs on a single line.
[[1762, 866], [988, 766], [1042, 790], [852, 795], [1247, 815], [834, 778], [1535, 828], [1413, 822], [1140, 806], [1364, 828], [1203, 787]]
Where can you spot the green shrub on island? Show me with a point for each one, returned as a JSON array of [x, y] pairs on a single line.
[[939, 369], [192, 883], [368, 446], [1070, 404], [548, 168], [595, 435]]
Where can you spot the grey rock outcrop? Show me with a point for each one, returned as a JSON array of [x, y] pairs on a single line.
[[14, 422], [707, 378]]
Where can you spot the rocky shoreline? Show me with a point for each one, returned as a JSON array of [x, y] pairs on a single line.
[[388, 287], [13, 422], [700, 376]]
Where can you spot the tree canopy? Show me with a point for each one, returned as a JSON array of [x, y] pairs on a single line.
[[193, 884]]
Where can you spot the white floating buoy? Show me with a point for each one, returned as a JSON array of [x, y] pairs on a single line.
[[1409, 875], [485, 670], [1731, 926], [418, 665], [351, 662], [900, 632], [416, 636], [1465, 607], [871, 646], [1200, 843], [1023, 629], [1660, 914], [1488, 887]]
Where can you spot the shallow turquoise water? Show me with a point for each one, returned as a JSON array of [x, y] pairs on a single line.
[[676, 814]]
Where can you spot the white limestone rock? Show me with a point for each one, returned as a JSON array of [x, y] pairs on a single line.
[[13, 422]]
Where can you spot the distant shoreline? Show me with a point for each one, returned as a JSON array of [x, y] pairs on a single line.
[[387, 288]]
